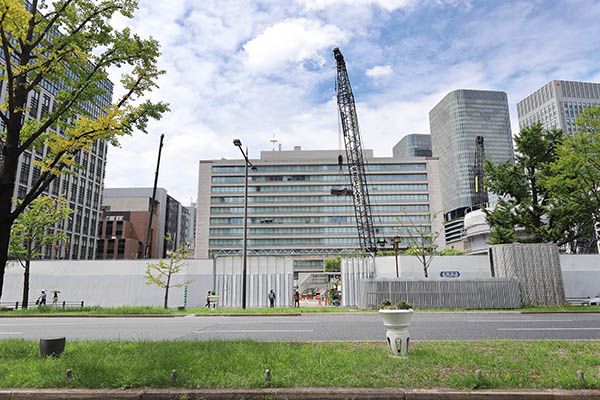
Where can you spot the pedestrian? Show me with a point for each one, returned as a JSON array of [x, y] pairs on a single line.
[[207, 305], [55, 298], [272, 298], [296, 299], [43, 298]]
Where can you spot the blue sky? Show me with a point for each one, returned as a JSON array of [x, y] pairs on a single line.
[[254, 69]]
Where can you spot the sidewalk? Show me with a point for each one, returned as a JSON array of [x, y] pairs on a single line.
[[297, 393]]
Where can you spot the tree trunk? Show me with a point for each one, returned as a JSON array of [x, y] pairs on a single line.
[[26, 285], [4, 240], [167, 291]]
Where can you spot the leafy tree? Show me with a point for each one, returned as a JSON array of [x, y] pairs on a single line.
[[523, 199], [332, 264], [33, 229], [165, 270], [68, 45], [421, 241], [575, 179]]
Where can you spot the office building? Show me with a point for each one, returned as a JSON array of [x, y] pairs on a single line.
[[291, 209], [172, 217], [557, 104], [413, 145], [455, 123], [82, 187]]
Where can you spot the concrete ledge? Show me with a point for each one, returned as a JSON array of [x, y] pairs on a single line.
[[296, 394], [562, 312], [95, 316], [250, 315]]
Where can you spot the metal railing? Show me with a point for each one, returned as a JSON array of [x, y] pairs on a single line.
[[15, 305]]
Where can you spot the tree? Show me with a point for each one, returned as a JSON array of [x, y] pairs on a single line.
[[165, 270], [523, 199], [421, 241], [575, 179], [68, 45], [332, 264], [33, 229]]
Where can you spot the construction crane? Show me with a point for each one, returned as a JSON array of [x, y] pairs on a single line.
[[354, 157]]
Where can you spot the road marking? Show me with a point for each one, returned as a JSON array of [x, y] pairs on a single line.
[[10, 333], [258, 331], [549, 329], [520, 320]]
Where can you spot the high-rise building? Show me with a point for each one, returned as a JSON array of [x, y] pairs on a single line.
[[81, 187], [455, 123], [557, 104], [413, 145], [291, 208], [172, 218]]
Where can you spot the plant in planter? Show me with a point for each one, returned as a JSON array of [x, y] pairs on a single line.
[[397, 319]]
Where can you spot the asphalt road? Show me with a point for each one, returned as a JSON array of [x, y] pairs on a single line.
[[311, 327]]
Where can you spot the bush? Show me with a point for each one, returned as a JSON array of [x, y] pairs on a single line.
[[403, 305]]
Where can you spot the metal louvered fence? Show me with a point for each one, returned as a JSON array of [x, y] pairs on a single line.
[[494, 293]]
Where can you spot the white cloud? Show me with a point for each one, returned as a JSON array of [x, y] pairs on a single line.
[[292, 40], [388, 5], [379, 70]]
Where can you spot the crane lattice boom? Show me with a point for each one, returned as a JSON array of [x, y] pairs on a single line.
[[354, 156]]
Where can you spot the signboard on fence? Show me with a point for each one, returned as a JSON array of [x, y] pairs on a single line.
[[449, 274]]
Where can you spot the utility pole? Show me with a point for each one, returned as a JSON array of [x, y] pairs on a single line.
[[148, 249]]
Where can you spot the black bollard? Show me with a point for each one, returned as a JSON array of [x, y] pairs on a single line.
[[52, 347]]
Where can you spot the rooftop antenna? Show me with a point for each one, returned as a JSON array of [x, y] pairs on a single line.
[[274, 141]]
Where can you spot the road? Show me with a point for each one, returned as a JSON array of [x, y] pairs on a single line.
[[311, 327]]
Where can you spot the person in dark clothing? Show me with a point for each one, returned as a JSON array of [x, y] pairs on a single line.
[[43, 298], [207, 305], [296, 299], [271, 298]]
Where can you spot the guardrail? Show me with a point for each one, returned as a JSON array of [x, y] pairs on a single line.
[[15, 305], [576, 301]]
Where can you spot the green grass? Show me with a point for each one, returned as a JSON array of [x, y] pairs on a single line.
[[216, 364], [141, 310]]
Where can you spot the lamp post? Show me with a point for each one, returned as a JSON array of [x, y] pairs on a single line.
[[238, 143]]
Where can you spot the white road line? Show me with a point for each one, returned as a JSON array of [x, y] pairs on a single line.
[[520, 320], [258, 331], [549, 329], [10, 333]]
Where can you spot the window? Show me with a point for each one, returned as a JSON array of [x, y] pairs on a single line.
[[121, 249], [119, 229], [109, 230]]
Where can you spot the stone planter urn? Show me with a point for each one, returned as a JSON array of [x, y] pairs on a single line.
[[214, 300], [397, 322]]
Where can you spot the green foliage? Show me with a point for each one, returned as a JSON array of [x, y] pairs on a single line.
[[386, 304], [160, 274], [383, 253], [404, 305], [35, 228], [332, 264], [524, 200], [451, 252], [575, 179]]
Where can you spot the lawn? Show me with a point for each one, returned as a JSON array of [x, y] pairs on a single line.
[[229, 364]]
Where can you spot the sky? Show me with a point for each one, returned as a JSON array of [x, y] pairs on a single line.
[[258, 70]]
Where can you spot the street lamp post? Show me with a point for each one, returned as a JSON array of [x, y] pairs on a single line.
[[238, 144]]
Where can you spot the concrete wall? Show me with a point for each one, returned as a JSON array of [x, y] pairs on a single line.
[[108, 283], [581, 274], [469, 267]]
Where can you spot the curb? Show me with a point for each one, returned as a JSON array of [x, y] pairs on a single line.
[[296, 393], [249, 315], [95, 316], [562, 312]]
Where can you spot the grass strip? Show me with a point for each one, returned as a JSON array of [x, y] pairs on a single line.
[[241, 364], [140, 310]]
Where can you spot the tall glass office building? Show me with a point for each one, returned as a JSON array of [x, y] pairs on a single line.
[[291, 208], [455, 123]]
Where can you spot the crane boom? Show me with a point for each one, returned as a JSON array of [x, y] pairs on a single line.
[[354, 156]]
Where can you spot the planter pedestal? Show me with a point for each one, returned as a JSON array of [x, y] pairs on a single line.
[[397, 335]]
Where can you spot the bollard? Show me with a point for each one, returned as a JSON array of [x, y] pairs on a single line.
[[174, 375], [580, 377], [52, 347], [68, 375], [267, 376]]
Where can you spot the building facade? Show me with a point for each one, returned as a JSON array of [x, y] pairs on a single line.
[[82, 187], [123, 234], [413, 145], [455, 123], [172, 219], [291, 208], [557, 104]]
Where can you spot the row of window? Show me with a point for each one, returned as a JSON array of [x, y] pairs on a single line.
[[413, 219], [317, 209], [352, 230], [317, 178], [318, 199], [278, 168], [350, 241], [318, 188]]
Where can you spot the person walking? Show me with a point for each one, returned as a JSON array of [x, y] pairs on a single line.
[[272, 298], [55, 298], [43, 298], [207, 305], [296, 299]]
